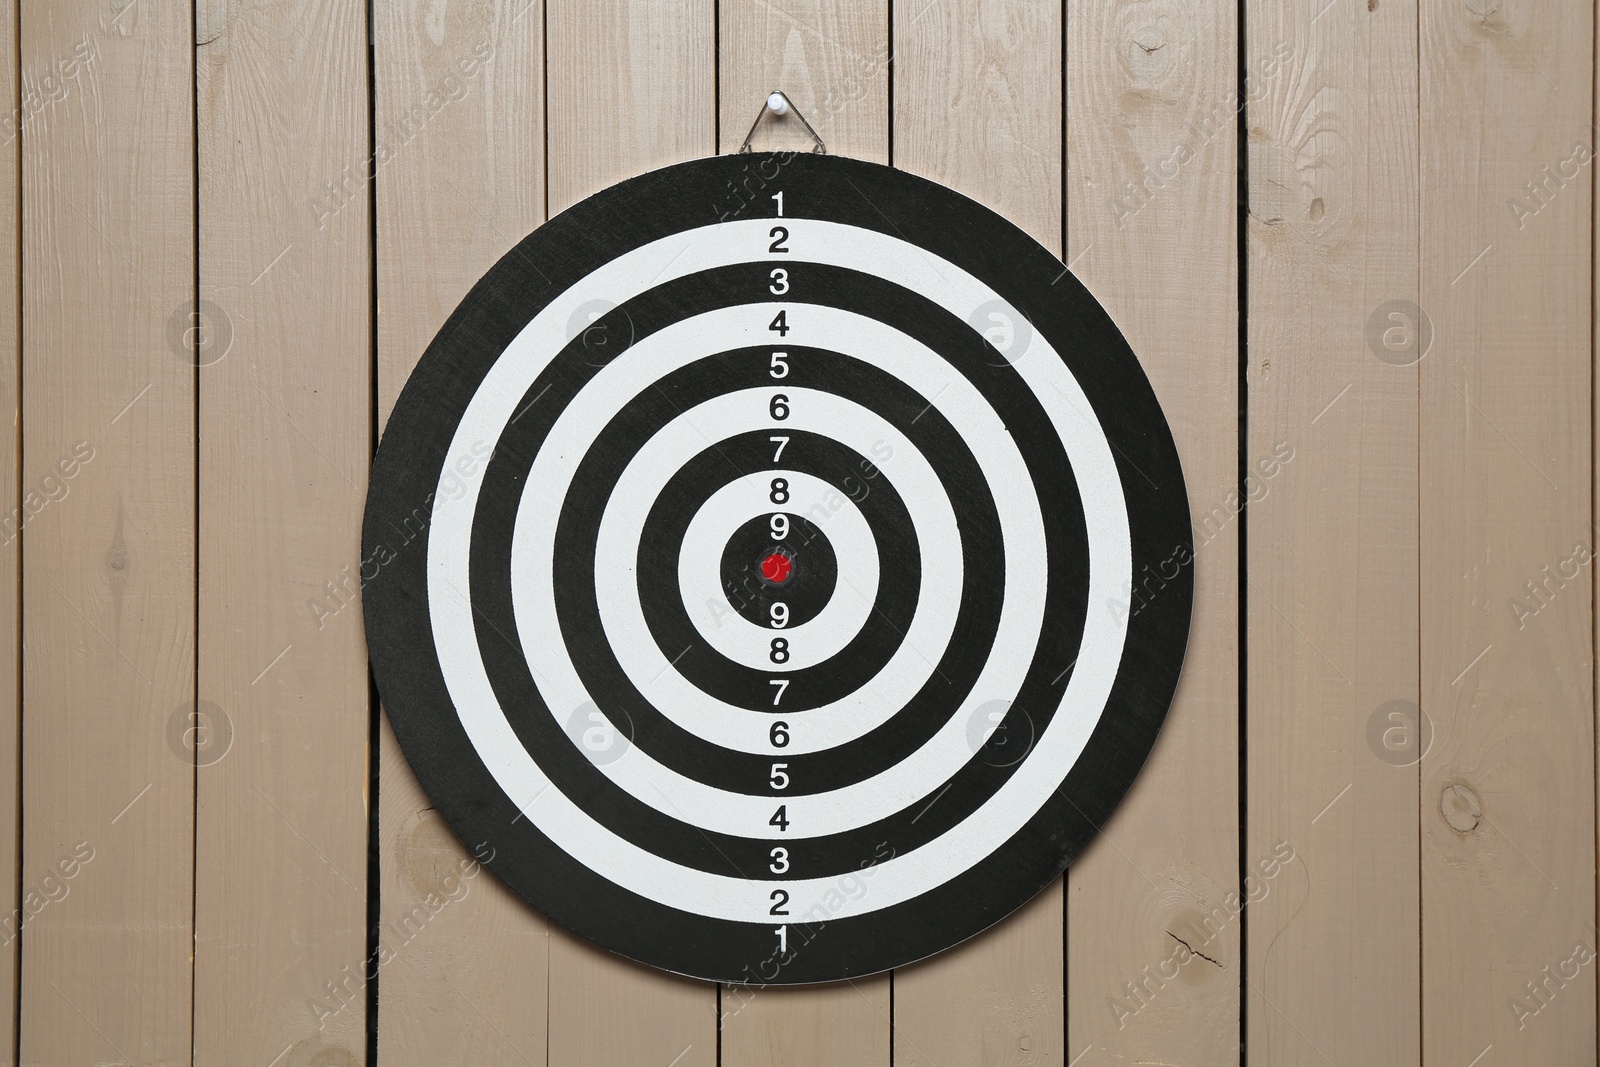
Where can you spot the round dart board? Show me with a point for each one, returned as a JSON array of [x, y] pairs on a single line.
[[778, 566]]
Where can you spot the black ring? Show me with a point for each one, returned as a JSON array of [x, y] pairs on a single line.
[[641, 823], [667, 616], [681, 390], [735, 683], [803, 577], [957, 667], [406, 476]]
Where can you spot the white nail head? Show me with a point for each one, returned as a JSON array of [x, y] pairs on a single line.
[[778, 103]]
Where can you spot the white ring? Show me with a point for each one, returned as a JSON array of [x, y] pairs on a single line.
[[706, 602], [899, 878], [865, 800], [641, 658]]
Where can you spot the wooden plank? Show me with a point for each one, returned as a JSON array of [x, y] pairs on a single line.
[[607, 1009], [1334, 737], [996, 998], [1149, 88], [977, 106], [831, 58], [285, 440], [1507, 799], [631, 88], [843, 1024], [108, 532], [10, 540], [469, 981]]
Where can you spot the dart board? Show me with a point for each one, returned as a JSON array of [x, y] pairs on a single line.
[[778, 567]]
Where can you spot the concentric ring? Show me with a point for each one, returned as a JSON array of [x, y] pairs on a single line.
[[823, 624], [758, 569], [914, 622], [659, 506], [724, 877]]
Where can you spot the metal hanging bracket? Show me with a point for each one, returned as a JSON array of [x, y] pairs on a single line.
[[778, 103]]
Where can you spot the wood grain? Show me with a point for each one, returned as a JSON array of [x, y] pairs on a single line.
[[285, 440], [1151, 114], [1333, 525], [108, 474], [977, 106], [831, 57], [469, 979], [977, 99], [607, 1009], [1507, 799], [996, 998], [839, 1024], [10, 542], [631, 88]]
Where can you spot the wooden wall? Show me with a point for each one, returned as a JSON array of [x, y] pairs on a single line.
[[1352, 243]]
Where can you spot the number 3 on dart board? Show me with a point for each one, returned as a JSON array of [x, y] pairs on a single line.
[[825, 587]]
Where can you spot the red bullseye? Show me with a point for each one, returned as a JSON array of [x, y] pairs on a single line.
[[776, 568]]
